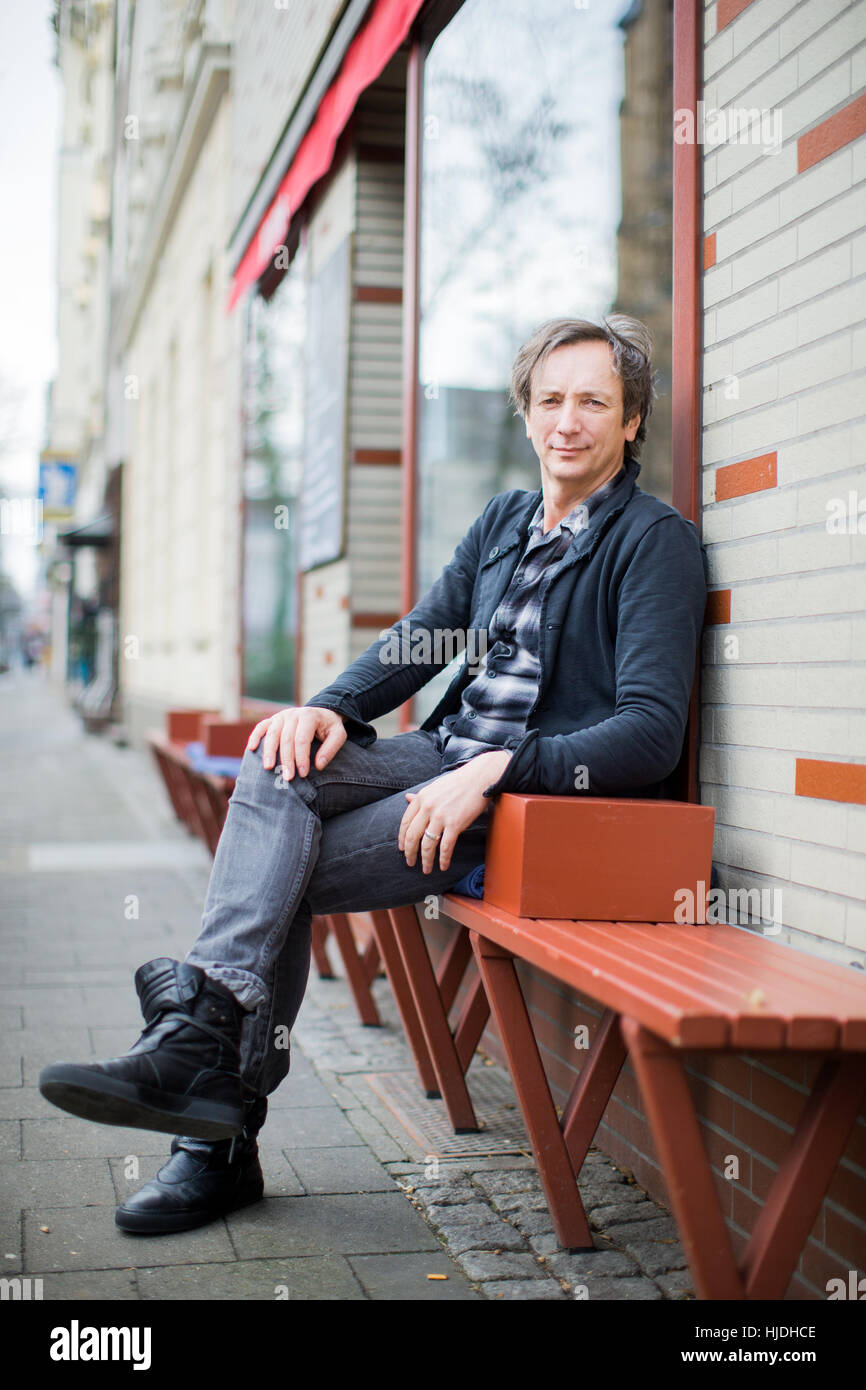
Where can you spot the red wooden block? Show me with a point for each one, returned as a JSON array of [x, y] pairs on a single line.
[[226, 738], [601, 860], [184, 725]]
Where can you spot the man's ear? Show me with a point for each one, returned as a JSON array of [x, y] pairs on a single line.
[[632, 427]]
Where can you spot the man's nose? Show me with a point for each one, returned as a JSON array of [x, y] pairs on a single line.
[[570, 418]]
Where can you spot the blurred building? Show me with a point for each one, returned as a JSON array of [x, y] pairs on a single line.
[[332, 224]]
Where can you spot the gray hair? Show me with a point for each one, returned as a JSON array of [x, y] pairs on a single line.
[[631, 346]]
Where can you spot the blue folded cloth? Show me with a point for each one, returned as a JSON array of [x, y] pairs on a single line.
[[471, 885], [220, 767]]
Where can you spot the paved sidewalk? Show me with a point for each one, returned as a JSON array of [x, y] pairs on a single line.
[[95, 878]]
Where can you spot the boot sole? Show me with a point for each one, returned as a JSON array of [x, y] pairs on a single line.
[[108, 1101], [154, 1224]]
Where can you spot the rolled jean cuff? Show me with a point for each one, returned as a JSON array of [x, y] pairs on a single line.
[[248, 989]]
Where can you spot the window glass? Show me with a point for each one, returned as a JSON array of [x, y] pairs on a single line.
[[545, 192], [273, 460]]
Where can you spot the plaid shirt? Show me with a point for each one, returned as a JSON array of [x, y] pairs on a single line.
[[498, 702]]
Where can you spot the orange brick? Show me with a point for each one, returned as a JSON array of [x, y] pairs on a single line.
[[709, 251], [831, 781], [751, 475], [727, 1070], [824, 139], [718, 608], [728, 10]]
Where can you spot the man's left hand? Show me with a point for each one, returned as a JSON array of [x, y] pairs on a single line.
[[445, 807]]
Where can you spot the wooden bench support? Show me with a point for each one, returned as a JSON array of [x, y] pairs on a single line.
[[431, 1013], [496, 967], [798, 1188], [357, 969], [392, 959], [320, 954]]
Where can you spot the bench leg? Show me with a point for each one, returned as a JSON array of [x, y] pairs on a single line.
[[688, 1176], [593, 1088], [386, 939], [801, 1183], [355, 971], [320, 954], [433, 1019], [558, 1179]]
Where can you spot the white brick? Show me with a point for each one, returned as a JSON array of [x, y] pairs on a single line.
[[823, 454], [813, 277], [831, 592], [839, 219], [717, 363], [855, 833], [830, 405], [769, 600], [855, 746], [762, 431], [759, 853], [746, 310], [717, 206], [731, 683], [816, 503], [716, 444], [711, 22], [858, 348], [761, 514], [858, 69], [811, 366], [739, 75], [718, 51], [746, 392], [806, 910], [737, 156], [855, 927], [859, 639], [742, 810], [747, 228], [769, 770], [713, 765], [743, 560], [802, 818], [716, 523], [858, 256], [709, 327], [711, 177], [833, 42], [831, 313], [770, 172], [717, 284], [806, 20], [816, 186], [827, 640], [765, 342], [815, 101], [811, 550], [755, 19], [831, 870], [830, 688]]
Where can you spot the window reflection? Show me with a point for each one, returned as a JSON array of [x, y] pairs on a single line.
[[545, 191], [273, 462]]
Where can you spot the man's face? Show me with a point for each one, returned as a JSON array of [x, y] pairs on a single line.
[[575, 417]]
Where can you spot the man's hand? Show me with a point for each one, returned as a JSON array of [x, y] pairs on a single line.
[[446, 807], [291, 732]]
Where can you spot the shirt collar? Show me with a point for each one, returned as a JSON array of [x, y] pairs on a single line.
[[579, 516]]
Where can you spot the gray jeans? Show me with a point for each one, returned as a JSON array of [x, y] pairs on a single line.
[[322, 843]]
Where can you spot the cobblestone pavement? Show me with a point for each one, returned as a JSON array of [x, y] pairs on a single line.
[[95, 878]]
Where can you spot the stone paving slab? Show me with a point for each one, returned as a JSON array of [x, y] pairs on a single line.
[[372, 1224], [316, 1277]]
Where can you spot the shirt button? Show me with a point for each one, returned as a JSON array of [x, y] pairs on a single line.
[[494, 552], [472, 714], [490, 673]]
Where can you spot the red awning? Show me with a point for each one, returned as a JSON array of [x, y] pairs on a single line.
[[371, 49]]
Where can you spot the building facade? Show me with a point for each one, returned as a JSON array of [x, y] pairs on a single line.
[[337, 225]]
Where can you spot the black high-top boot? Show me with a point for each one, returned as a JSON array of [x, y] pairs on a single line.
[[200, 1182], [183, 1074]]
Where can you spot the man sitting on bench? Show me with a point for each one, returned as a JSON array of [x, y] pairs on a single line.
[[589, 598]]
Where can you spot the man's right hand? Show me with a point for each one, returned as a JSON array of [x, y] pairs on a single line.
[[290, 733]]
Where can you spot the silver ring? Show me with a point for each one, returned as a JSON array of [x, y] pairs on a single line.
[[428, 836]]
